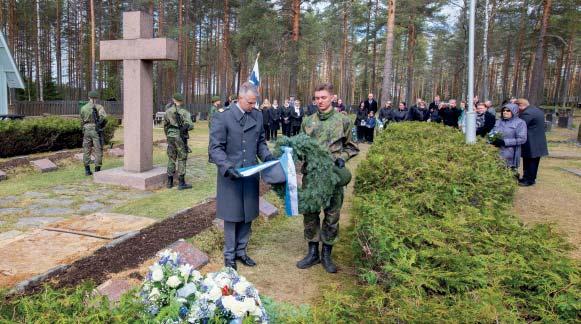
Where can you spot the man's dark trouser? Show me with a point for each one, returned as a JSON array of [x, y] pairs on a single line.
[[236, 237], [530, 169], [286, 130], [267, 132]]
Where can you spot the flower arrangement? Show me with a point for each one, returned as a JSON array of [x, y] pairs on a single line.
[[174, 292], [494, 136]]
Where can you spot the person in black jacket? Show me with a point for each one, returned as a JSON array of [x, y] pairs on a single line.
[[384, 114], [312, 108], [266, 118], [450, 114], [274, 119], [399, 114], [297, 114], [371, 104], [360, 119], [419, 112], [435, 105], [536, 145], [285, 118], [484, 120]]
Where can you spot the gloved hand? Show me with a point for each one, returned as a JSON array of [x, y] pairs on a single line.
[[102, 123], [184, 129], [232, 174], [340, 163], [270, 158], [498, 143]]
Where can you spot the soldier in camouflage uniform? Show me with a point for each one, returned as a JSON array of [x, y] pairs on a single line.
[[213, 109], [332, 130], [91, 140], [177, 147]]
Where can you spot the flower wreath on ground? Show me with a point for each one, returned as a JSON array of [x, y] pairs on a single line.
[[174, 292], [319, 179]]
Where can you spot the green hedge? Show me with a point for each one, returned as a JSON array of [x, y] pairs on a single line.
[[35, 135], [436, 239]]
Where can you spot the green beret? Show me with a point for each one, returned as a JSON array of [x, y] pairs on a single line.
[[93, 94], [215, 98], [178, 96]]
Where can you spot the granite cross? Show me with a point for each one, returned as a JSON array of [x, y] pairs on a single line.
[[138, 50]]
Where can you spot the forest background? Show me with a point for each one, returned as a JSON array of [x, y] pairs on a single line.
[[417, 48]]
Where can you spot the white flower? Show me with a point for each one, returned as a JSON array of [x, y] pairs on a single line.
[[173, 281], [156, 272], [187, 290], [185, 270], [251, 307], [222, 279], [237, 308], [154, 294], [214, 294], [241, 287], [196, 275]]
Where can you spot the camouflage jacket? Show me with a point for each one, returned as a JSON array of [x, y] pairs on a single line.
[[332, 130], [170, 124], [86, 114]]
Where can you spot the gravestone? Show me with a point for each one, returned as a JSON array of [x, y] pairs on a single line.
[[113, 289], [116, 152], [565, 118], [3, 175], [267, 210], [137, 50], [44, 165], [190, 254]]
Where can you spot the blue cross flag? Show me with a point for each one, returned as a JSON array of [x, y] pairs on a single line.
[[255, 75]]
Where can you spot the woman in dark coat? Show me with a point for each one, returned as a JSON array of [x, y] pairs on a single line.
[[360, 119], [274, 120], [536, 145], [400, 113]]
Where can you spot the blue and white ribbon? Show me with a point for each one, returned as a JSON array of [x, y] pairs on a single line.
[[291, 200]]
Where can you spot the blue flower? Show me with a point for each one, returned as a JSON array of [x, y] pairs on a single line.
[[183, 311]]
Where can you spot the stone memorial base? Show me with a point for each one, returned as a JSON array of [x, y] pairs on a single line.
[[153, 179]]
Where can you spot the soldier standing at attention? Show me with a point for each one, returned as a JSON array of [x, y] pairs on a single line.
[[333, 131], [177, 123], [236, 140], [213, 109], [92, 120]]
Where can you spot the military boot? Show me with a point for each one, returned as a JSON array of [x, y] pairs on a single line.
[[311, 258], [183, 185], [326, 259], [97, 168], [88, 170], [169, 182]]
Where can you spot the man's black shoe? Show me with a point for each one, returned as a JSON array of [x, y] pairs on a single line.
[[526, 184], [230, 264], [311, 258], [183, 185], [169, 182], [328, 264], [98, 169], [246, 260], [88, 170]]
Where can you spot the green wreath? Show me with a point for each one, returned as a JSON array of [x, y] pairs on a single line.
[[319, 179]]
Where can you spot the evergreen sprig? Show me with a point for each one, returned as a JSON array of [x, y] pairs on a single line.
[[319, 180]]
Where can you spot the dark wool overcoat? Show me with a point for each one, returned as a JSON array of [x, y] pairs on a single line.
[[536, 144]]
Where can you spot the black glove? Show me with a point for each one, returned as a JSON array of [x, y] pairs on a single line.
[[498, 143], [184, 129], [102, 123], [232, 174], [270, 158], [340, 163]]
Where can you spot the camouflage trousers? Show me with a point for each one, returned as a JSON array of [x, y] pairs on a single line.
[[327, 231], [92, 144], [177, 152]]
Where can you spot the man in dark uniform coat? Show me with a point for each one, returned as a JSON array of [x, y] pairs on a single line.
[[371, 104], [536, 145], [236, 139]]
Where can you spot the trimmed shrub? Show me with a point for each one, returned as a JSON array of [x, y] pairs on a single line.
[[436, 236], [35, 135]]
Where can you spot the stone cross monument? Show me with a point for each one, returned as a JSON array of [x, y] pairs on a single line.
[[137, 50]]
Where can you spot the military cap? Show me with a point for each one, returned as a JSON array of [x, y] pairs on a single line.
[[178, 96], [93, 94], [344, 176], [273, 175], [215, 98]]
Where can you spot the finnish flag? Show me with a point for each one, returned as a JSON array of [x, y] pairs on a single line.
[[255, 75]]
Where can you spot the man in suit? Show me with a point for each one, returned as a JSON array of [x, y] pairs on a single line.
[[312, 108], [297, 114], [371, 104], [484, 120], [536, 145], [236, 140]]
